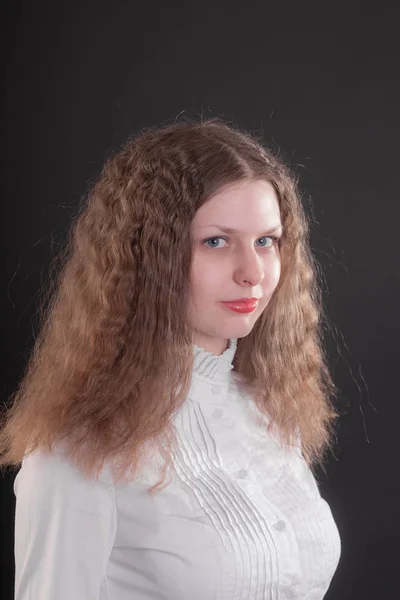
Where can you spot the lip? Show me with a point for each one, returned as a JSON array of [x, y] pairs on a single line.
[[244, 300], [243, 305]]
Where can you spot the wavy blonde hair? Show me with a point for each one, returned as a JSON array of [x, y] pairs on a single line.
[[112, 363]]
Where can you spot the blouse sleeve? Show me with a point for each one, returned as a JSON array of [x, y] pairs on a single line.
[[64, 530]]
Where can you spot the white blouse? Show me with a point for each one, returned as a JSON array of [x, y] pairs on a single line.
[[242, 519]]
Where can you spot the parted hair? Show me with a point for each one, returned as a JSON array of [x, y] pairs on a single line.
[[112, 360]]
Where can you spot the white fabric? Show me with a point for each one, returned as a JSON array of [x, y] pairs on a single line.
[[242, 519]]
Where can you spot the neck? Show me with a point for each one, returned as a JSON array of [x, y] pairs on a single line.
[[212, 345]]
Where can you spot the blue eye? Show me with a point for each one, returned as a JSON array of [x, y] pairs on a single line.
[[212, 240], [273, 239]]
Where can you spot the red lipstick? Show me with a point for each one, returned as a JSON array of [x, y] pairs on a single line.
[[242, 305]]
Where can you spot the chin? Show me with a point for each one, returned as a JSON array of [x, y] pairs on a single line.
[[240, 331]]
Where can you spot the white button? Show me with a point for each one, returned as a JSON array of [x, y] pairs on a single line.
[[280, 525], [217, 413], [242, 473], [288, 593], [216, 389]]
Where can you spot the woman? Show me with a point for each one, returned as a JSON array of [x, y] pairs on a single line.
[[178, 395]]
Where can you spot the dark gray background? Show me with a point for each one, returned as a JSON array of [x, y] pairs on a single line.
[[322, 83]]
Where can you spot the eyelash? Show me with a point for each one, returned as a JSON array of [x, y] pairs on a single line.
[[275, 239]]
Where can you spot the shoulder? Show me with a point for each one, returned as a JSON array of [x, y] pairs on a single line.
[[50, 478]]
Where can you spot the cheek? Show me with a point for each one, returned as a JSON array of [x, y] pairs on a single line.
[[205, 272], [272, 273], [203, 280]]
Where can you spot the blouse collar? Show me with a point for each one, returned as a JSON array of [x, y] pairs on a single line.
[[213, 366]]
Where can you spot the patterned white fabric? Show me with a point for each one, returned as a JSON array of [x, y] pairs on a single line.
[[242, 519]]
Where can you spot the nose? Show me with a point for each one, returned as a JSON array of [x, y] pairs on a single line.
[[249, 268]]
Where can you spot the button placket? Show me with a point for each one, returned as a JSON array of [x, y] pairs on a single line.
[[217, 413], [280, 525]]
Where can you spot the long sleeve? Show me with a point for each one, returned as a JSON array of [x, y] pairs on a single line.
[[64, 531]]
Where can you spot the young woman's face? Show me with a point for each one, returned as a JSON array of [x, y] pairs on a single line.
[[230, 266]]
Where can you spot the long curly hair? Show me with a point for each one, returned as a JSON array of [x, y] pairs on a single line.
[[112, 362]]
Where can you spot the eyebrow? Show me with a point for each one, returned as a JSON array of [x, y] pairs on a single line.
[[231, 230]]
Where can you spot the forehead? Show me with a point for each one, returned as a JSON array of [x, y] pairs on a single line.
[[241, 206]]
